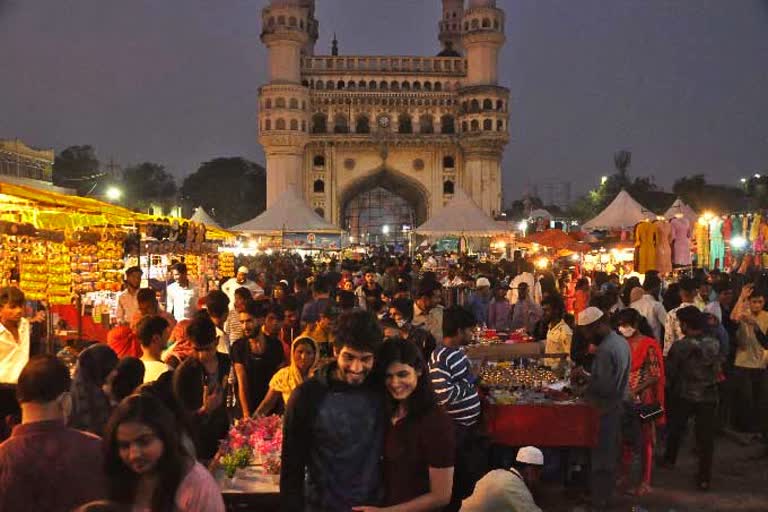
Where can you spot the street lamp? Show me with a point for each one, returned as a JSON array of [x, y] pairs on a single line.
[[114, 193], [743, 180], [385, 229], [757, 176], [603, 180]]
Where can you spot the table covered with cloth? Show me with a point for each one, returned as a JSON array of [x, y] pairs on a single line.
[[542, 425], [251, 489]]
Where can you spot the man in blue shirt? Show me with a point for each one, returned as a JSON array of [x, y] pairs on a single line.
[[481, 300]]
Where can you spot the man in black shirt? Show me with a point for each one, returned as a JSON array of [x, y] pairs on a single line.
[[257, 355]]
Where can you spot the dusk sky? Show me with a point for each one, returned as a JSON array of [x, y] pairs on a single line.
[[682, 84]]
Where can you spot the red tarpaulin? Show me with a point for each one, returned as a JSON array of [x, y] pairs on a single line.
[[543, 425], [556, 239], [91, 331]]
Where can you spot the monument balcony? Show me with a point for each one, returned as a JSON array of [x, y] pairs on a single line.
[[443, 66]]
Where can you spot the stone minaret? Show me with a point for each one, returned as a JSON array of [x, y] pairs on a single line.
[[450, 27], [484, 104], [289, 31]]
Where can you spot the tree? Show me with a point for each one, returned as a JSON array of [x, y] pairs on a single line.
[[700, 195], [233, 190], [148, 183], [77, 167]]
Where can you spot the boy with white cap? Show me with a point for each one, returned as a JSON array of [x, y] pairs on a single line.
[[508, 489], [240, 281]]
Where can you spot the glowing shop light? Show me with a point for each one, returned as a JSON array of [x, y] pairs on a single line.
[[738, 242], [114, 193]]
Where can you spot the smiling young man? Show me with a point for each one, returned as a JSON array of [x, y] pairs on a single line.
[[333, 426]]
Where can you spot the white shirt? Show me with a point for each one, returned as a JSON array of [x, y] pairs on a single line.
[[672, 330], [714, 308], [653, 311], [500, 490], [182, 302], [223, 341], [127, 305], [559, 340], [450, 283], [431, 321], [534, 287], [153, 370], [231, 285], [13, 355]]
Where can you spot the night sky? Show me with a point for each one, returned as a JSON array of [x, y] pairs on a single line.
[[682, 84]]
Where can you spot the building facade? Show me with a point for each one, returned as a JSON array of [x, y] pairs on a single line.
[[368, 138], [18, 160]]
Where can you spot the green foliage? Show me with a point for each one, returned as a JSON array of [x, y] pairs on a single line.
[[232, 189], [76, 167], [234, 460], [700, 195], [148, 183]]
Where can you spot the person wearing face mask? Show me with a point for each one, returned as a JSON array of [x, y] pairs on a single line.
[[646, 384], [418, 454], [401, 312], [70, 473]]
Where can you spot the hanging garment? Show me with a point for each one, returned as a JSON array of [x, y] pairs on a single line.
[[728, 259], [701, 234], [738, 225], [754, 228], [764, 234], [727, 228], [759, 244], [747, 220], [681, 238], [663, 247], [716, 244], [645, 243]]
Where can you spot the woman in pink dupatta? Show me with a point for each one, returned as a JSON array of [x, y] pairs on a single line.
[[646, 383]]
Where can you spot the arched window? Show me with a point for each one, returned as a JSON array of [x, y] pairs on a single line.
[[280, 102], [281, 20], [292, 22], [466, 25], [319, 123], [383, 85], [268, 103], [303, 126], [486, 23], [320, 212], [267, 125], [499, 105], [426, 124], [475, 125], [318, 187], [340, 84], [318, 161], [404, 124], [372, 85], [448, 187], [351, 84], [303, 105], [488, 124], [293, 103], [362, 125], [447, 124], [487, 104], [416, 86], [271, 21], [438, 86], [329, 84], [464, 127], [499, 125], [406, 86], [361, 84], [319, 85], [448, 162], [395, 85], [340, 124], [427, 86], [474, 106], [475, 24], [295, 124], [280, 124], [465, 106], [305, 83]]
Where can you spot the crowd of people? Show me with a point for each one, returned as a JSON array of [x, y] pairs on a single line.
[[381, 408]]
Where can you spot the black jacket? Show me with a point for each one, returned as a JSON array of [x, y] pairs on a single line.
[[333, 433]]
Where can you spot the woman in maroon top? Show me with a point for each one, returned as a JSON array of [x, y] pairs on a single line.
[[419, 446]]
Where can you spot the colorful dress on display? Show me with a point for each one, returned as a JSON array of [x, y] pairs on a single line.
[[681, 238], [738, 225], [663, 247], [701, 233], [754, 228], [727, 228], [716, 243], [646, 247]]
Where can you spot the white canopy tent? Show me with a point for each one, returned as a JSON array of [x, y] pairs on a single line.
[[460, 217], [623, 213], [680, 208], [289, 214], [201, 217]]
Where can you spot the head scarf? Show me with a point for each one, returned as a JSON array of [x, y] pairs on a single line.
[[182, 346], [90, 405], [124, 342], [295, 378]]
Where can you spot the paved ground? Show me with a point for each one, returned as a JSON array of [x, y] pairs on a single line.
[[739, 484]]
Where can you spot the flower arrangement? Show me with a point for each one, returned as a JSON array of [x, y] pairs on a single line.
[[260, 438]]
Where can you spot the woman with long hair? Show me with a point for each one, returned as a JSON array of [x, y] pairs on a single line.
[[90, 404], [419, 446], [124, 379], [646, 383], [303, 358], [146, 465]]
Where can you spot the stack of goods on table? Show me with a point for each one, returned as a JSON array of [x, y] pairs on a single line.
[[226, 264], [523, 383]]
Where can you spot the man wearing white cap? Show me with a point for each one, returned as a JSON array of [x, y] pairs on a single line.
[[481, 300], [240, 281], [508, 489], [607, 389]]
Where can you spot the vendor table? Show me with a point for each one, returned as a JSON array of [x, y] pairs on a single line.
[[543, 425], [251, 489], [90, 330]]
